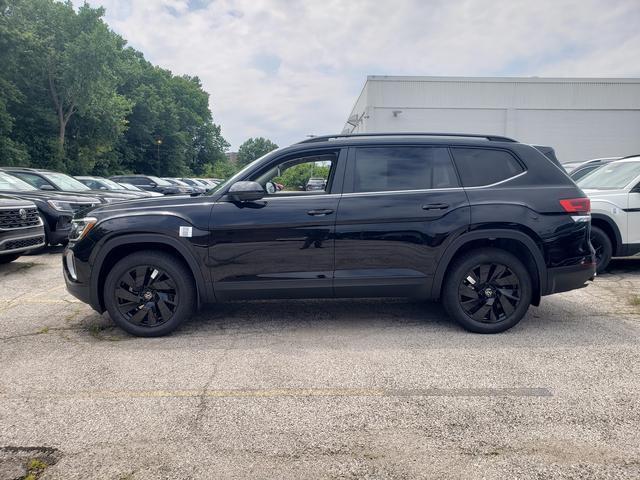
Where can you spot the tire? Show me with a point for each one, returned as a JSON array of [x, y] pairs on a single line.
[[603, 247], [8, 258], [147, 304], [489, 284]]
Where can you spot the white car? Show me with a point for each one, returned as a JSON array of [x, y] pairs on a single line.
[[614, 190]]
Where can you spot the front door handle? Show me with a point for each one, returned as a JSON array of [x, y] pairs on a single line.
[[435, 206], [320, 213]]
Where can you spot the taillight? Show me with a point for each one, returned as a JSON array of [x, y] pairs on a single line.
[[576, 205]]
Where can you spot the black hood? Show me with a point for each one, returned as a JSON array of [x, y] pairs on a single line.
[[9, 202], [51, 195]]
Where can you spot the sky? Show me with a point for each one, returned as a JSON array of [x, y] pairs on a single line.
[[285, 69]]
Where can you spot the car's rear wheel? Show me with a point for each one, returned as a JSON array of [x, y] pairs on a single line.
[[149, 293], [603, 247], [8, 258], [487, 290]]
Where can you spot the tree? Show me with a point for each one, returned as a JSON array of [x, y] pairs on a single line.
[[253, 149]]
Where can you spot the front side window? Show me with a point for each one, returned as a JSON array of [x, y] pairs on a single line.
[[309, 174], [611, 176], [381, 169], [35, 180], [483, 166]]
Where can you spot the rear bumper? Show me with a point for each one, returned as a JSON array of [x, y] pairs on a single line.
[[563, 279]]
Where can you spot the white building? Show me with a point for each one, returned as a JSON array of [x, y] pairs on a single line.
[[581, 118]]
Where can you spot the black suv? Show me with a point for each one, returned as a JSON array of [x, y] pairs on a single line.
[[20, 228], [484, 223]]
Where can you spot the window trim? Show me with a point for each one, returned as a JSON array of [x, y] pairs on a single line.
[[475, 187], [350, 174]]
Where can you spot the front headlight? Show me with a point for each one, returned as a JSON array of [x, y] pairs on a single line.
[[80, 227], [60, 205]]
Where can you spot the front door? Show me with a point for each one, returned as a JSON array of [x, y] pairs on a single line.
[[400, 207], [282, 245]]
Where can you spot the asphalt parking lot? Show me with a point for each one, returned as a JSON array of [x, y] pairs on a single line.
[[319, 389]]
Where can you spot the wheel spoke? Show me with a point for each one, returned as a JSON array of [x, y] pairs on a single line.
[[164, 285], [139, 317], [506, 305], [141, 273], [509, 280], [165, 312], [484, 273], [481, 313], [152, 319], [123, 294], [498, 271], [509, 293], [468, 291]]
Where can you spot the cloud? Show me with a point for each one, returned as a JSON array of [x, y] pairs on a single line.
[[283, 69]]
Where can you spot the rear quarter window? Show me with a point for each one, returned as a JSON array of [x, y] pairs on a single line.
[[481, 166]]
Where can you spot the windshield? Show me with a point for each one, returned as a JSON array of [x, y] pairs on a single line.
[[158, 181], [65, 182], [9, 182], [611, 176], [240, 174], [110, 184]]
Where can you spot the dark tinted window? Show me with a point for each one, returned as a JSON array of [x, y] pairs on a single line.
[[35, 180], [379, 169], [484, 167]]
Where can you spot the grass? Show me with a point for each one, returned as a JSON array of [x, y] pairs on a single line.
[[635, 300], [35, 468], [44, 330]]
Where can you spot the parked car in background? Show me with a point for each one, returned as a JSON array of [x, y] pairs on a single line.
[[55, 208], [200, 185], [21, 228], [315, 184], [188, 188], [614, 190], [104, 184], [577, 171], [151, 183], [133, 188], [427, 216], [60, 182]]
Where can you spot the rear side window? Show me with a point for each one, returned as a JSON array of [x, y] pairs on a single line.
[[479, 167], [379, 169]]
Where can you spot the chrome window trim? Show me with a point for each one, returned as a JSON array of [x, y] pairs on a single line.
[[498, 183]]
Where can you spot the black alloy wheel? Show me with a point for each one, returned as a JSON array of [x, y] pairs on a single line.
[[603, 247], [146, 296], [489, 293], [150, 293], [487, 290]]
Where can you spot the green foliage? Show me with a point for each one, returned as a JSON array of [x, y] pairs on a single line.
[[253, 149], [296, 177], [73, 97]]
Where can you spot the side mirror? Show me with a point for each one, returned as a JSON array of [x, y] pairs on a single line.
[[46, 186], [245, 192]]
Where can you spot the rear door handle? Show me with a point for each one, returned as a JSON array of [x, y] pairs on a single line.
[[435, 206], [320, 213]]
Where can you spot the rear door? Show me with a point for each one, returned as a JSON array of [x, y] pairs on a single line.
[[400, 207]]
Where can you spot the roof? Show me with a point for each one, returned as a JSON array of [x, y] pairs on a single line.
[[411, 78]]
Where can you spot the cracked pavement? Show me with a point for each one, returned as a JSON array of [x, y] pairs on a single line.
[[376, 388]]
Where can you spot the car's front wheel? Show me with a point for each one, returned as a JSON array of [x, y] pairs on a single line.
[[150, 293], [487, 290]]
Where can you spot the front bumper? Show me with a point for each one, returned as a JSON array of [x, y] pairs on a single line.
[[21, 240], [78, 284], [563, 279]]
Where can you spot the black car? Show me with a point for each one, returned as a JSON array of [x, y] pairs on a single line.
[[50, 181], [20, 228], [484, 223], [151, 184], [106, 185], [55, 208], [188, 189]]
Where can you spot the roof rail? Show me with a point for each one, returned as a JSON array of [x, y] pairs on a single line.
[[492, 138], [629, 156]]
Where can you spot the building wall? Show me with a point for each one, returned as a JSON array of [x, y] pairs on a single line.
[[580, 118]]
